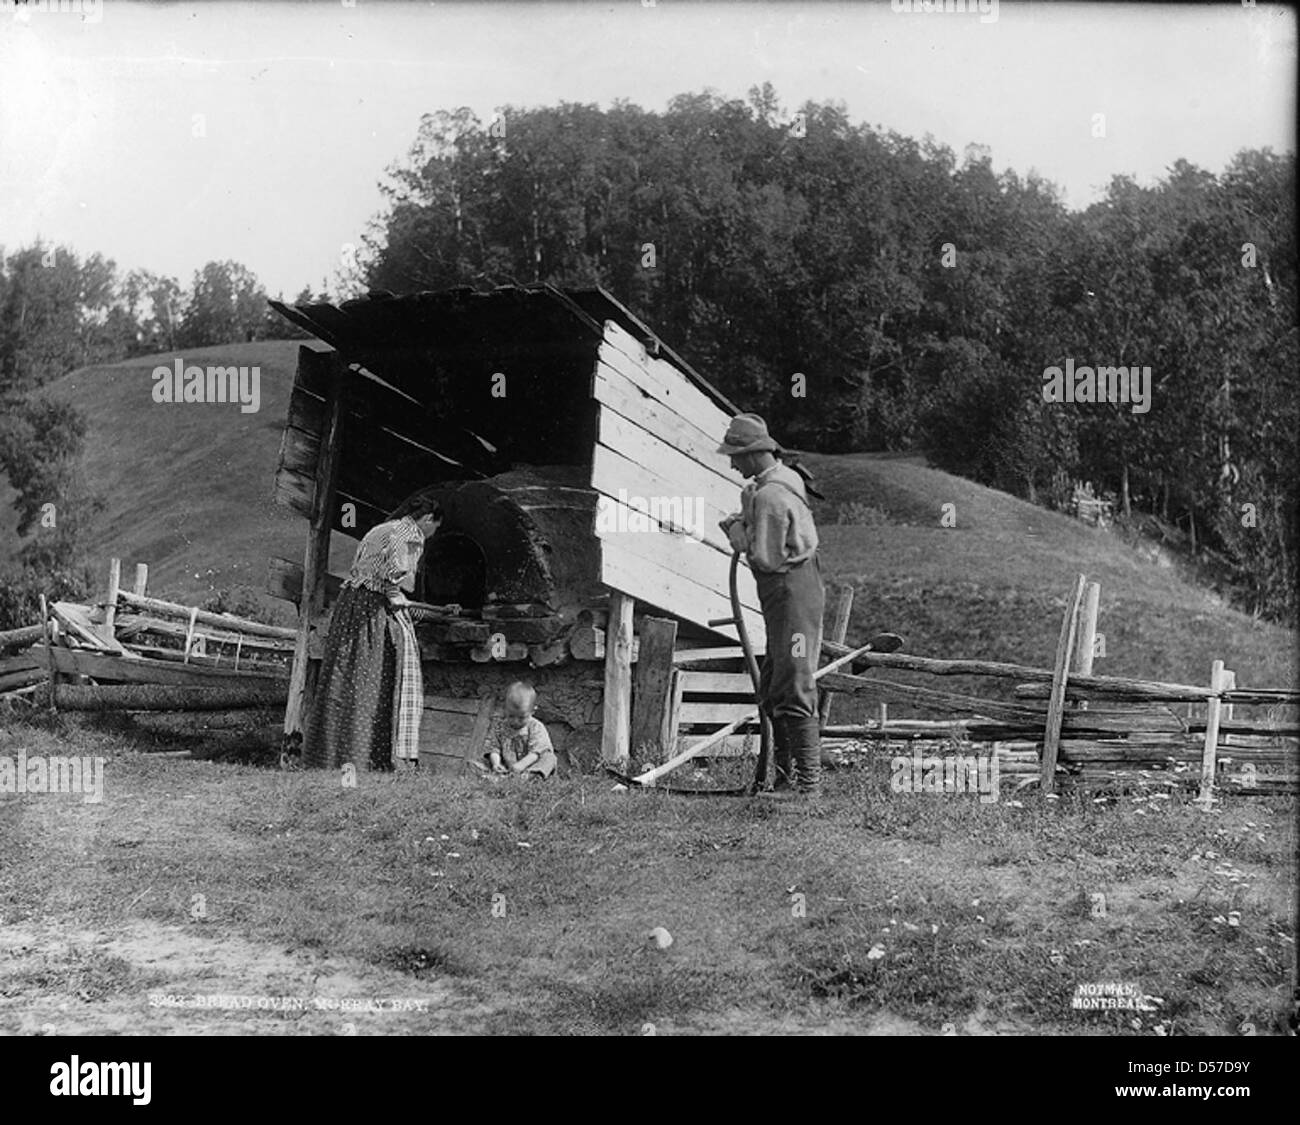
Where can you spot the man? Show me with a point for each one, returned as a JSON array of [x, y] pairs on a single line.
[[775, 529]]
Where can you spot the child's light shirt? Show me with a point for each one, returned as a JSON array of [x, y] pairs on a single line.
[[515, 745]]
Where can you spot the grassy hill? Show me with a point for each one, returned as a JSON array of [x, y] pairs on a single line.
[[994, 586], [188, 490]]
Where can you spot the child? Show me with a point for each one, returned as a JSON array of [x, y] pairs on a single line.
[[518, 743]]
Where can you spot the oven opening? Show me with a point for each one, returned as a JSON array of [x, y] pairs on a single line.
[[453, 570]]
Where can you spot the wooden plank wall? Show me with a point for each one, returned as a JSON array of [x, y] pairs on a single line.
[[656, 438], [378, 418]]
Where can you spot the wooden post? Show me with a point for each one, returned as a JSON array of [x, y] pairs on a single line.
[[1229, 684], [189, 633], [839, 629], [316, 556], [615, 731], [1083, 651], [672, 714], [48, 634], [652, 683], [141, 579], [1209, 756], [110, 599], [1060, 674]]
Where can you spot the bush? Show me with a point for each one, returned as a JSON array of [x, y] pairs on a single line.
[[240, 601], [22, 586]]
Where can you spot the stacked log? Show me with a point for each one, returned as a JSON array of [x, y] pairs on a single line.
[[22, 669]]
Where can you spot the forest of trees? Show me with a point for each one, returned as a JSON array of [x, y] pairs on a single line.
[[921, 297]]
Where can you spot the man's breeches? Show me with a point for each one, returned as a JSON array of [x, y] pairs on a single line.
[[792, 606]]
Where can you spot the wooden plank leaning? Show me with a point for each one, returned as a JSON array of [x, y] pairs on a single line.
[[1060, 674]]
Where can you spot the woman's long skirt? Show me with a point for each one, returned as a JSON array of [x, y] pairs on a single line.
[[356, 702]]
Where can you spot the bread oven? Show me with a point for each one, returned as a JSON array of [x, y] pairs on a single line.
[[514, 552], [563, 441]]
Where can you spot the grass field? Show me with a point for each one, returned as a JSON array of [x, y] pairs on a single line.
[[918, 913], [525, 908]]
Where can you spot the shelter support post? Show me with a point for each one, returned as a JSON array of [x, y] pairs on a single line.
[[616, 728], [316, 557]]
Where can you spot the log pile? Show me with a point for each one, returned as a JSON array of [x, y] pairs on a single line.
[[132, 652]]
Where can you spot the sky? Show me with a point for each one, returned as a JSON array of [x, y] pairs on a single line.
[[168, 135]]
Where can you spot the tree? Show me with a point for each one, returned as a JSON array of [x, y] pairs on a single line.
[[225, 304]]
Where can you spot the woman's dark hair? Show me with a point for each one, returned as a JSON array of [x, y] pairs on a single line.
[[417, 506]]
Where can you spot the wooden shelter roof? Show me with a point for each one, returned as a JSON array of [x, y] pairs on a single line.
[[397, 337]]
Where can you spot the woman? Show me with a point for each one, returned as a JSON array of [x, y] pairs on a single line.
[[370, 694]]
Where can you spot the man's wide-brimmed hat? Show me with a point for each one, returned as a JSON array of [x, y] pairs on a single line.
[[747, 433]]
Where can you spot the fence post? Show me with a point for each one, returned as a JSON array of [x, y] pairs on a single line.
[[110, 599], [1209, 756], [47, 635], [839, 630], [1060, 674]]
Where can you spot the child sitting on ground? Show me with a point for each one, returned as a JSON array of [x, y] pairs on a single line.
[[517, 742]]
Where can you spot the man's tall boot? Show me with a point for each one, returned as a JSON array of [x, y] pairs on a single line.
[[806, 749], [782, 760]]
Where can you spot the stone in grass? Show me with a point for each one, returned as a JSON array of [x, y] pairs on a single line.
[[659, 938]]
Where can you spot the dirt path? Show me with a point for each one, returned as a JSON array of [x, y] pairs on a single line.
[[69, 981]]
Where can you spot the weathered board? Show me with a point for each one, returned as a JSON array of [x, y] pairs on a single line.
[[453, 731], [626, 567], [284, 580], [114, 669], [652, 683], [656, 439], [675, 473], [680, 553], [717, 683]]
